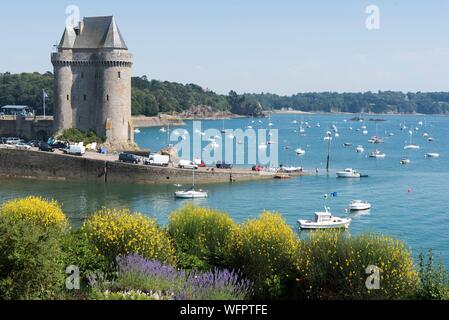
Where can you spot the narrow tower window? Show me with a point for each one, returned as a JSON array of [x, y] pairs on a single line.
[[119, 75], [82, 75], [68, 97], [107, 97], [85, 97]]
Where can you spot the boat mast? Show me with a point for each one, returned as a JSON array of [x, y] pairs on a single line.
[[329, 135]]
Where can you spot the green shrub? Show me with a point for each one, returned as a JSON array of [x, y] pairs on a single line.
[[31, 258], [434, 281], [75, 136], [119, 232], [80, 252], [333, 266], [264, 250], [201, 236]]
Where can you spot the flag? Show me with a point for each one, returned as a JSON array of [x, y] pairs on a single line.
[[45, 94]]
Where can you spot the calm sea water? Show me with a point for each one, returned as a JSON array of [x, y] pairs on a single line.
[[409, 202]]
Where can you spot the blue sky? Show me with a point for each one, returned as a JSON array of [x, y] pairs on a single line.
[[282, 46]]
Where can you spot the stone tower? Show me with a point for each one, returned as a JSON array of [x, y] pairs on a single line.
[[92, 87]]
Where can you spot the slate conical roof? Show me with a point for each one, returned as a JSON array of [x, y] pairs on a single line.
[[68, 39], [96, 33], [114, 37]]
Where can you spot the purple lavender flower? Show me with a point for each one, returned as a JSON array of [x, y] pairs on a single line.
[[179, 284]]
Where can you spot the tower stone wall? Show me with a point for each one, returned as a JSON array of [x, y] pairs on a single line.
[[93, 81]]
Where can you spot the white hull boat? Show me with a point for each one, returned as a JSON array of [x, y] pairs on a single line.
[[348, 173], [324, 220], [377, 154], [433, 155], [300, 152], [411, 147], [360, 149], [406, 161], [359, 205], [191, 194]]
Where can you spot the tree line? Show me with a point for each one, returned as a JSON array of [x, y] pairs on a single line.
[[368, 102], [151, 97]]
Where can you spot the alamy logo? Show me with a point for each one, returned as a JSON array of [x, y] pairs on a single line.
[[373, 20], [234, 146], [72, 282], [373, 281], [73, 16]]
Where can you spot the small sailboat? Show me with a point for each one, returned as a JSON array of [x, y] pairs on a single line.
[[191, 193], [411, 146]]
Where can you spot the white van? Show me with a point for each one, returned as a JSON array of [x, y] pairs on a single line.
[[157, 160], [187, 164], [75, 150]]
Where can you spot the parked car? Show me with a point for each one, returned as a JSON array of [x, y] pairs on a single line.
[[23, 146], [187, 164], [13, 140], [157, 160], [200, 163], [129, 158], [34, 143], [75, 150], [45, 147], [223, 165], [60, 145]]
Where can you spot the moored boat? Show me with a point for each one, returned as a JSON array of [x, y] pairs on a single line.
[[433, 155], [377, 154], [191, 194], [324, 220], [348, 173], [359, 205]]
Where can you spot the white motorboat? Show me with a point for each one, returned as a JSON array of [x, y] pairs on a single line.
[[324, 220], [377, 154], [405, 161], [191, 194], [432, 155], [359, 205], [360, 149], [137, 130], [348, 173], [300, 152]]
